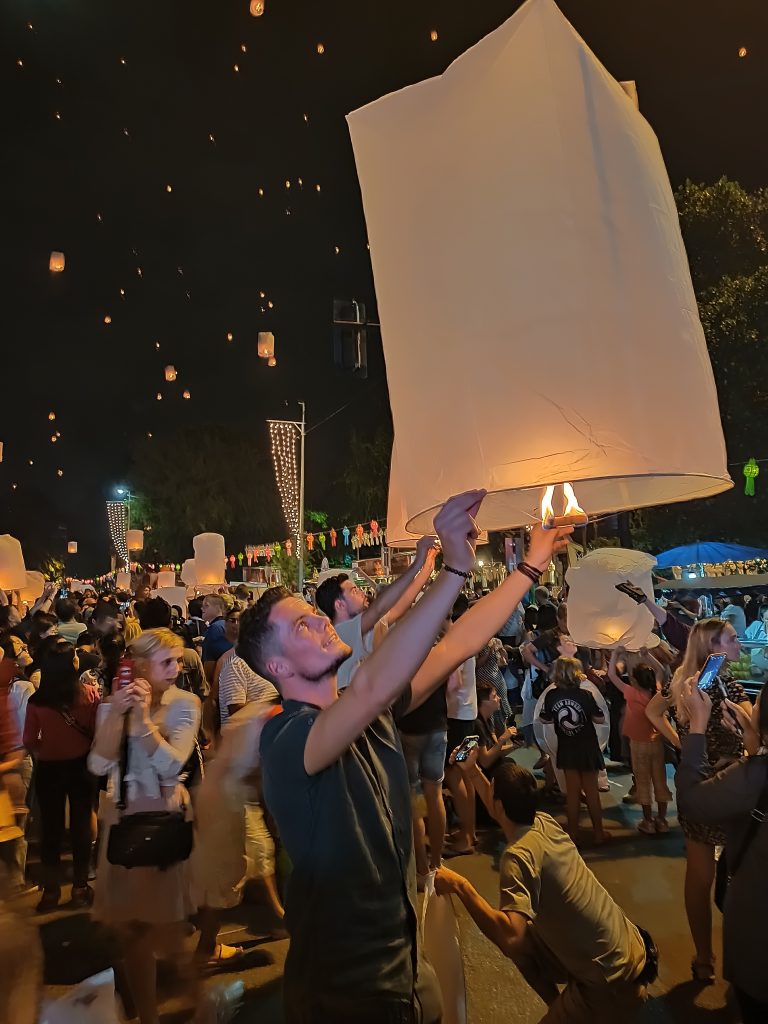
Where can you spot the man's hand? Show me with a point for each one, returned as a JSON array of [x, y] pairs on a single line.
[[545, 543], [447, 881], [697, 703], [457, 530], [426, 551]]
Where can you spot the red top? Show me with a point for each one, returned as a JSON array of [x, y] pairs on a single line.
[[637, 725], [49, 736]]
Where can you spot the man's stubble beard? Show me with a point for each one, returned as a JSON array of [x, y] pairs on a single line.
[[332, 670]]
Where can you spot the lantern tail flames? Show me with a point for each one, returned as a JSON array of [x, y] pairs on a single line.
[[573, 514]]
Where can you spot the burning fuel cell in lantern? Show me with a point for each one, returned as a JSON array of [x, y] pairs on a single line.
[[573, 514]]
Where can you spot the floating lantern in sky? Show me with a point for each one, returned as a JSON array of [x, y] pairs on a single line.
[[622, 275], [237, 67], [56, 262], [72, 547], [34, 587], [159, 396], [13, 572], [433, 35], [59, 472], [170, 373], [257, 8], [229, 335], [320, 48], [107, 319], [51, 416], [743, 51], [54, 438], [134, 539], [169, 188], [186, 394], [261, 191], [271, 361], [266, 345]]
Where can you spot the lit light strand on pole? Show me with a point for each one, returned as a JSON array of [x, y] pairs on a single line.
[[290, 479], [117, 517]]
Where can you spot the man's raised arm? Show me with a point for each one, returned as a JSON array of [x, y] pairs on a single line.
[[383, 676], [393, 601]]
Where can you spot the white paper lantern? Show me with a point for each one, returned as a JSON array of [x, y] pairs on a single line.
[[518, 208], [266, 345], [56, 262], [34, 587], [172, 595], [13, 572], [397, 514], [123, 581], [134, 539], [189, 573], [166, 579], [601, 616], [210, 558], [72, 547]]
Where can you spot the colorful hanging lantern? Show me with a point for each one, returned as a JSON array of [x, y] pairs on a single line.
[[289, 547], [751, 471], [310, 541], [333, 538], [240, 558], [321, 540], [345, 532]]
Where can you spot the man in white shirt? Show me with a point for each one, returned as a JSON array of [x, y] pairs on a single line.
[[362, 624]]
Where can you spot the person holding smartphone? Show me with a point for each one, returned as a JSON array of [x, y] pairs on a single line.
[[668, 713]]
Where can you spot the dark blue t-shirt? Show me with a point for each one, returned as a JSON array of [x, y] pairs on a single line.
[[215, 642]]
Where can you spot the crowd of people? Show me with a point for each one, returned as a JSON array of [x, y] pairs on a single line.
[[373, 737]]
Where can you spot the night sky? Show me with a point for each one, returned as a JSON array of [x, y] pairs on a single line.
[[139, 90]]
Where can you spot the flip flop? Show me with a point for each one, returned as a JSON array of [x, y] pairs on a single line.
[[223, 955]]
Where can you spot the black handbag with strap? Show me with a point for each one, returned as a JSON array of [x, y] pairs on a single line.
[[727, 866], [148, 839]]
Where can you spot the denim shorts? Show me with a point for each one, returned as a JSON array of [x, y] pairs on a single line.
[[425, 756]]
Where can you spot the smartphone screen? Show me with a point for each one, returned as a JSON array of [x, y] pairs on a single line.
[[708, 674], [467, 744]]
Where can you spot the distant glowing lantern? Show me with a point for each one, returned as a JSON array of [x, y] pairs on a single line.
[[271, 361], [54, 438], [229, 335], [170, 373], [107, 319], [209, 558], [169, 188], [433, 35], [159, 396], [186, 394], [751, 472], [123, 581], [743, 51], [56, 262], [320, 48], [59, 472], [266, 345], [51, 415], [134, 539], [257, 8], [13, 572], [72, 547], [166, 579]]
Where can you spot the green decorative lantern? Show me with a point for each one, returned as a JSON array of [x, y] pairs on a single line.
[[751, 471]]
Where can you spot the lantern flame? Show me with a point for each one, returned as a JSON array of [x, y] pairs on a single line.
[[573, 514]]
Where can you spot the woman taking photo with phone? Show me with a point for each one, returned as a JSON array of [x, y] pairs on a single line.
[[726, 801], [146, 731], [668, 714]]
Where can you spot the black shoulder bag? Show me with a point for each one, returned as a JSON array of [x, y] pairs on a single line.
[[728, 866], [149, 839]]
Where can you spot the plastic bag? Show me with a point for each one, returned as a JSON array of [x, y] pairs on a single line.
[[92, 1002], [440, 931]]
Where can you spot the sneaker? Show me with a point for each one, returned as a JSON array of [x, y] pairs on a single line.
[[82, 896], [648, 828], [49, 901], [661, 825]]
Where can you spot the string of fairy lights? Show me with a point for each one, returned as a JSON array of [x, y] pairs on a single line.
[[283, 437], [117, 518]]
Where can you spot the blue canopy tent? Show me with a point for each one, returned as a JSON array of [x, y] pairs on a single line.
[[707, 552]]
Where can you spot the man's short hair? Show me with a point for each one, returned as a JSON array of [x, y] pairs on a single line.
[[516, 790], [329, 592], [541, 594], [219, 600], [154, 614], [255, 642], [106, 608], [65, 609]]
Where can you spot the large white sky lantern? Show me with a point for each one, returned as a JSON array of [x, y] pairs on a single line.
[[209, 557], [525, 243], [397, 515], [601, 616], [13, 572], [189, 573]]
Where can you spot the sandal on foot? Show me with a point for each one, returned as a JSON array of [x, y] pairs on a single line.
[[703, 972], [223, 955]]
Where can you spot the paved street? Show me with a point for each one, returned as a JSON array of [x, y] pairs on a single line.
[[645, 875]]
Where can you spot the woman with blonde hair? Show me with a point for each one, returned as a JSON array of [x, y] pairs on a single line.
[[573, 712], [145, 731], [668, 713]]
